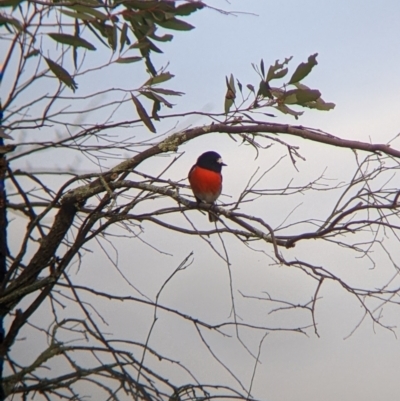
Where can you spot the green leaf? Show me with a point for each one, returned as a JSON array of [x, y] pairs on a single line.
[[304, 69], [277, 70], [162, 100], [301, 96], [175, 24], [262, 68], [187, 9], [290, 98], [75, 50], [112, 35], [12, 21], [127, 60], [89, 10], [10, 3], [143, 114], [165, 76], [71, 40], [124, 37], [227, 105], [230, 93], [164, 38], [140, 4], [301, 86], [277, 93], [61, 74], [145, 45], [231, 84], [155, 16], [148, 94], [264, 89], [153, 47], [150, 66], [274, 74], [306, 96], [139, 45], [251, 88], [75, 57], [280, 74], [156, 104], [167, 92], [156, 108], [240, 86], [320, 104], [95, 27], [285, 110], [78, 15]]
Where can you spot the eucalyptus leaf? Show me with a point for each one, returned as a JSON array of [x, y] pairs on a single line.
[[165, 76], [277, 70], [286, 110], [78, 15], [188, 8], [227, 105], [11, 3], [167, 92], [301, 96], [240, 86], [320, 104], [162, 100], [61, 74], [304, 69], [264, 89], [89, 10], [4, 20], [165, 38], [231, 85], [71, 40], [262, 68], [176, 24], [143, 114], [127, 60], [123, 39]]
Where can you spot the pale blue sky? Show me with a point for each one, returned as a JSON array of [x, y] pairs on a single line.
[[359, 62], [357, 41]]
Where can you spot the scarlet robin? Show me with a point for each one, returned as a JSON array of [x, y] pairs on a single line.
[[206, 179]]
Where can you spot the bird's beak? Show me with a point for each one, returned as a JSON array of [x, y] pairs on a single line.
[[221, 162]]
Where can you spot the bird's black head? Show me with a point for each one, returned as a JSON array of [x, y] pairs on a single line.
[[211, 161]]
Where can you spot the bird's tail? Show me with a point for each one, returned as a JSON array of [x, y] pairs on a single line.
[[212, 217]]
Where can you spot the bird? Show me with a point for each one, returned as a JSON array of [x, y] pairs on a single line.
[[205, 179]]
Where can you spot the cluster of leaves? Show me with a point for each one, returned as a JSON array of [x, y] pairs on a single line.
[[154, 94], [116, 23], [292, 92], [127, 28]]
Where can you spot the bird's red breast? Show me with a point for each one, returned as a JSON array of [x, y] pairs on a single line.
[[206, 184]]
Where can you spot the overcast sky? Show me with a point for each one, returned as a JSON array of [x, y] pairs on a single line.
[[358, 43]]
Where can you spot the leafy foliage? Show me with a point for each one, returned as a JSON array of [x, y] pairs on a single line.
[[61, 74], [279, 97], [71, 40], [143, 114]]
